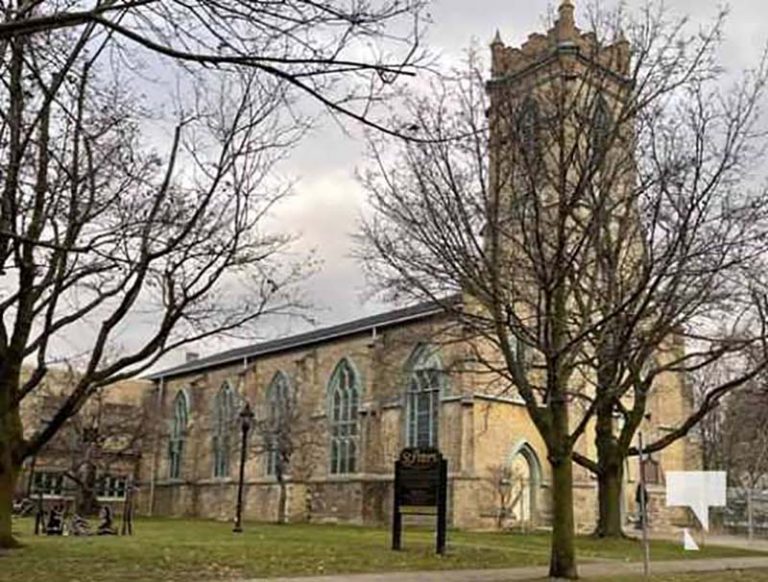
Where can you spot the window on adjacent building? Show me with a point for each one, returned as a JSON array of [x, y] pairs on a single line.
[[112, 486], [425, 381], [48, 483], [223, 417], [178, 434], [344, 400], [278, 412]]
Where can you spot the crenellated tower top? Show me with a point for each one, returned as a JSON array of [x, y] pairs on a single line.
[[563, 39]]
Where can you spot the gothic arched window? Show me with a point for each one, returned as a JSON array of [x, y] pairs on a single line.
[[425, 381], [223, 417], [178, 434], [602, 122], [528, 130], [278, 417], [344, 398]]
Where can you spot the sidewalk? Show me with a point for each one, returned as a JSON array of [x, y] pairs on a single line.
[[758, 544], [586, 570]]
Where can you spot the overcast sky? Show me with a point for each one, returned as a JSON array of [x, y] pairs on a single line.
[[327, 199]]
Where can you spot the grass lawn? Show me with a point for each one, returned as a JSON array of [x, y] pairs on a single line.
[[171, 550], [729, 576]]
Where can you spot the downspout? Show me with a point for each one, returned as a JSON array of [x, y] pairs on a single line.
[[156, 455], [243, 374], [365, 421]]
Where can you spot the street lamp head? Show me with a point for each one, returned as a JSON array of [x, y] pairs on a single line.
[[246, 417]]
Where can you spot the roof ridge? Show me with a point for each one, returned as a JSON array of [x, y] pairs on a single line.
[[303, 338]]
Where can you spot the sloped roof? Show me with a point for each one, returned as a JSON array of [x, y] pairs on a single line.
[[414, 312]]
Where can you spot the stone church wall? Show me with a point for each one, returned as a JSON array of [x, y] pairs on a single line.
[[481, 425]]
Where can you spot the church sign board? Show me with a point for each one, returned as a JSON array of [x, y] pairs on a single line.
[[421, 482]]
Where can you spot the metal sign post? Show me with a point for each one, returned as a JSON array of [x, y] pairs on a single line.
[[644, 510]]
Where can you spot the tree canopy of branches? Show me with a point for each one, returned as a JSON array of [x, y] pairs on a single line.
[[101, 225], [338, 52], [604, 227]]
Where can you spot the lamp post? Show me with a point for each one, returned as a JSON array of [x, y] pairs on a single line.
[[246, 422]]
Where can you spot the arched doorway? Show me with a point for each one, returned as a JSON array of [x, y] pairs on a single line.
[[525, 479]]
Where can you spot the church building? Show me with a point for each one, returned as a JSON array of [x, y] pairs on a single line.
[[356, 394]]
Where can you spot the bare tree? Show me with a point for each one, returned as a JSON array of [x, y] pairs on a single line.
[[98, 229], [96, 225], [322, 49], [508, 488], [744, 441], [287, 438], [102, 437], [309, 452], [710, 431], [733, 435], [675, 283], [601, 227]]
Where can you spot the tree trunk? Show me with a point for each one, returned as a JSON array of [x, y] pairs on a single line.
[[283, 496], [10, 438], [307, 503], [750, 514], [282, 501], [87, 502], [609, 478], [563, 558], [8, 475], [609, 492]]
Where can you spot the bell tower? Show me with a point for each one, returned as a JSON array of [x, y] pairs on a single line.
[[557, 92], [565, 45]]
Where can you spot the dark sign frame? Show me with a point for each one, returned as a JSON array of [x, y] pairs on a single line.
[[421, 483]]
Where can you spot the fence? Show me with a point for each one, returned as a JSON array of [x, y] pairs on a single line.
[[734, 518]]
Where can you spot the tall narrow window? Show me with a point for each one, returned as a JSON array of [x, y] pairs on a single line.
[[178, 434], [223, 416], [425, 380], [278, 419], [344, 391], [528, 129], [602, 121]]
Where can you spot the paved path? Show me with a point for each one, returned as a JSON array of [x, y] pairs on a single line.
[[758, 544], [594, 570]]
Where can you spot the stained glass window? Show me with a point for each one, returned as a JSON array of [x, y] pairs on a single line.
[[223, 421], [278, 409], [344, 402], [423, 398], [178, 434]]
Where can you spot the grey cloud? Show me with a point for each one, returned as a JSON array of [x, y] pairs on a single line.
[[328, 199]]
